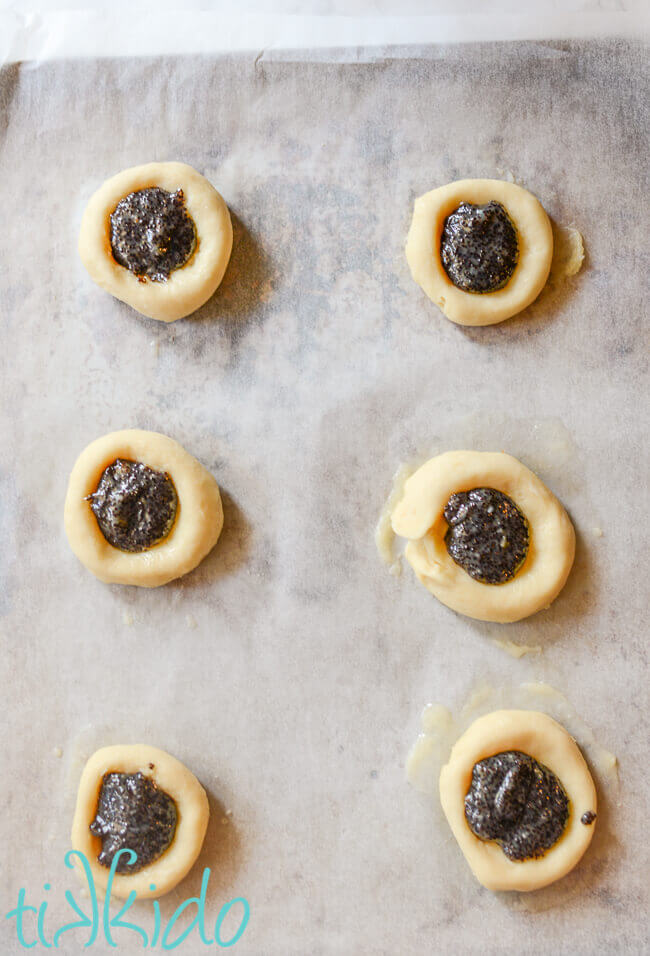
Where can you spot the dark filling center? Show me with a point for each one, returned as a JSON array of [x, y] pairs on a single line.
[[135, 506], [152, 233], [478, 247], [518, 802], [133, 813], [488, 535]]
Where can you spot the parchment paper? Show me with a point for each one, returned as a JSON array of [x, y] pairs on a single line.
[[315, 29], [290, 669]]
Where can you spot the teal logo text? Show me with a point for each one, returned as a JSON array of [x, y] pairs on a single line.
[[30, 920]]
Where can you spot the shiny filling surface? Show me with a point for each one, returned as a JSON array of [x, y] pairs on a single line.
[[488, 535], [135, 506], [478, 247], [517, 802], [135, 814], [152, 233]]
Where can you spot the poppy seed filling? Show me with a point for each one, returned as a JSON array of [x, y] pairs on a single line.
[[478, 247], [488, 535], [133, 813], [517, 802], [152, 233], [135, 506]]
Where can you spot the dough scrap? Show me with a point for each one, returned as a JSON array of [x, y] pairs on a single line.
[[198, 522], [192, 806], [187, 288], [542, 738], [419, 517], [535, 240]]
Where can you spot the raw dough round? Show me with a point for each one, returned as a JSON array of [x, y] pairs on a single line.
[[419, 517], [542, 738], [187, 288], [192, 808], [198, 524], [534, 236]]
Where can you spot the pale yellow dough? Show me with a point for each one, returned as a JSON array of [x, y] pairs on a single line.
[[192, 808], [542, 738], [534, 236], [198, 522], [419, 517], [187, 288]]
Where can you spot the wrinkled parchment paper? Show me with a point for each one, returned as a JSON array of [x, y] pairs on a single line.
[[290, 669]]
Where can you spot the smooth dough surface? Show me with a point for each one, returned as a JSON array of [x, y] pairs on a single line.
[[192, 821], [419, 517], [542, 738], [199, 518], [187, 288], [534, 237]]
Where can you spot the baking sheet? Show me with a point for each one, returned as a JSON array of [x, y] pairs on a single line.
[[289, 670]]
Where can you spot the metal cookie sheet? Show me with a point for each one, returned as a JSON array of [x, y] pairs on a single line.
[[289, 670]]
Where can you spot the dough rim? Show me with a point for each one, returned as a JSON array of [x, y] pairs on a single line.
[[193, 814], [419, 517], [198, 524], [543, 738], [187, 288], [534, 235]]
